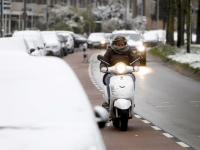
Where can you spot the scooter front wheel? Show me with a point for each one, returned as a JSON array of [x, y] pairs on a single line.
[[123, 121]]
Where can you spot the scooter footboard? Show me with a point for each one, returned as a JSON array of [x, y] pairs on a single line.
[[122, 104]]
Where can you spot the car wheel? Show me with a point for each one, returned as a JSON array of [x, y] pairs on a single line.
[[65, 52], [72, 50]]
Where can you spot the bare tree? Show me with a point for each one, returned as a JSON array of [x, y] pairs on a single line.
[[170, 28], [188, 25], [179, 22], [183, 16], [198, 24]]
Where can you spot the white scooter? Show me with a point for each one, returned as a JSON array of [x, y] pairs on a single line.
[[121, 104]]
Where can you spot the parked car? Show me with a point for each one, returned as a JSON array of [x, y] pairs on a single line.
[[53, 46], [34, 46], [154, 37], [70, 41], [107, 36], [63, 43], [97, 40], [41, 110], [30, 33], [16, 44], [134, 40], [77, 39]]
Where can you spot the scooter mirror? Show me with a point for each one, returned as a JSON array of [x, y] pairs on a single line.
[[100, 57], [101, 116]]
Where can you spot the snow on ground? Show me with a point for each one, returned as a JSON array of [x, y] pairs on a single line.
[[193, 58]]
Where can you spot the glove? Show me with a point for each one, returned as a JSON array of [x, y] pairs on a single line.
[[136, 68], [103, 69]]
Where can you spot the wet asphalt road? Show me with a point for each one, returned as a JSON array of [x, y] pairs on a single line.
[[168, 99]]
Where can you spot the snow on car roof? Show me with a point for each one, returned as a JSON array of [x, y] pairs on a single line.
[[43, 105], [124, 31], [13, 43]]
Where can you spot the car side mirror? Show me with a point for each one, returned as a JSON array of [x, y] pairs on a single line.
[[32, 50], [101, 116]]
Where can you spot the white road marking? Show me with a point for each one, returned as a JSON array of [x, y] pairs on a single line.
[[137, 116], [194, 101], [183, 144], [155, 127], [168, 135], [166, 106], [145, 121]]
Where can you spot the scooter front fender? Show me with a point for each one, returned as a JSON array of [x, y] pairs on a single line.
[[122, 104]]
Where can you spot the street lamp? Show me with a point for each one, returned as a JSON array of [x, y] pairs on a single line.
[[24, 14]]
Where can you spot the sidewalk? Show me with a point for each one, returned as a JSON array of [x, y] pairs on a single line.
[[139, 136]]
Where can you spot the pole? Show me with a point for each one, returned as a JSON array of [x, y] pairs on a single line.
[[126, 16], [158, 14], [47, 18], [89, 17], [24, 14], [2, 18]]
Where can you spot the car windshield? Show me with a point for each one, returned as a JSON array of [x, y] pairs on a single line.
[[97, 36], [66, 37], [134, 37], [50, 37]]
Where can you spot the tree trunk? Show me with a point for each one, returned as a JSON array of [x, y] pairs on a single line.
[[188, 26], [198, 25], [168, 20], [170, 39], [179, 22], [183, 14]]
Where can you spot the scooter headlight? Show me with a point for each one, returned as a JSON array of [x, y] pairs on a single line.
[[103, 42], [121, 68], [141, 48]]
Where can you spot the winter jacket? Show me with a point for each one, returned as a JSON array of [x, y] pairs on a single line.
[[113, 58]]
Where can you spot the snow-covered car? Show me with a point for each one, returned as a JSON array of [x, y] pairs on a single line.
[[34, 46], [17, 44], [70, 41], [53, 46], [134, 40], [63, 43], [97, 40], [44, 106], [154, 37], [30, 33]]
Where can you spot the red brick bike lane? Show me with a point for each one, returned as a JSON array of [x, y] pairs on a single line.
[[139, 136]]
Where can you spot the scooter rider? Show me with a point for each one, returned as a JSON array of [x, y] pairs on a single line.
[[119, 51]]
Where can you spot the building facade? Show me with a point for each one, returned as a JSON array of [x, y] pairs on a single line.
[[14, 10]]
